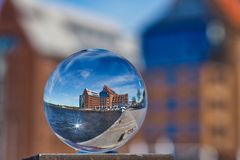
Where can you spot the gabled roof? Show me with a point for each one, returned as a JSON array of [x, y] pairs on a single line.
[[109, 90], [91, 93]]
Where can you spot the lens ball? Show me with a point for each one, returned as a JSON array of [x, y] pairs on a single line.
[[95, 101]]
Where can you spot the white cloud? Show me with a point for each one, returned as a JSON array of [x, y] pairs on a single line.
[[85, 74], [117, 80]]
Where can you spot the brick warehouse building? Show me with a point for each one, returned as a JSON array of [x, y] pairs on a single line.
[[39, 34], [89, 99], [175, 48], [110, 98], [192, 86], [106, 98]]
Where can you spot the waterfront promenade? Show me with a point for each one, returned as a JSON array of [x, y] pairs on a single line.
[[118, 132]]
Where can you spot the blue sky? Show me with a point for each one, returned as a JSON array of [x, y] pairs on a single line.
[[132, 15], [91, 71]]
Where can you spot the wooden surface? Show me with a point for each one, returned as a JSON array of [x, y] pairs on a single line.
[[100, 157]]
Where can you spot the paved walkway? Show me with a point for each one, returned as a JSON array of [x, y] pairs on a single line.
[[117, 133]]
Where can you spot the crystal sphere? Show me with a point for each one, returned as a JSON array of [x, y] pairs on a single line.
[[95, 101]]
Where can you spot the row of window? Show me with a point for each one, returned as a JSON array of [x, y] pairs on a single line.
[[173, 104], [156, 93], [172, 79], [217, 104], [172, 130]]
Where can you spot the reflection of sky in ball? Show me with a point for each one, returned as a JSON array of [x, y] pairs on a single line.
[[92, 70]]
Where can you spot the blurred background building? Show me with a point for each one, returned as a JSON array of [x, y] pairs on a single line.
[[188, 55]]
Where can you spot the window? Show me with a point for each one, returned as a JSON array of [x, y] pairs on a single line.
[[171, 78], [217, 77], [217, 104], [7, 43], [171, 104], [193, 128], [171, 130], [192, 103], [218, 131]]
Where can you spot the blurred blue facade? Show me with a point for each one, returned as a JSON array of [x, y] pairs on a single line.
[[179, 38], [174, 49]]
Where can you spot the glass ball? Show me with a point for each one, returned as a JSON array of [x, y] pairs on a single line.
[[95, 101]]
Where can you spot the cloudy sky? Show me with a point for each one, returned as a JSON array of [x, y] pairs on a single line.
[[91, 71], [132, 15]]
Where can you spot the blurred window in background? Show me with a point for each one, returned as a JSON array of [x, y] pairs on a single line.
[[7, 43], [172, 130], [217, 104], [192, 102], [171, 104], [171, 78], [218, 131], [217, 77], [193, 128]]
